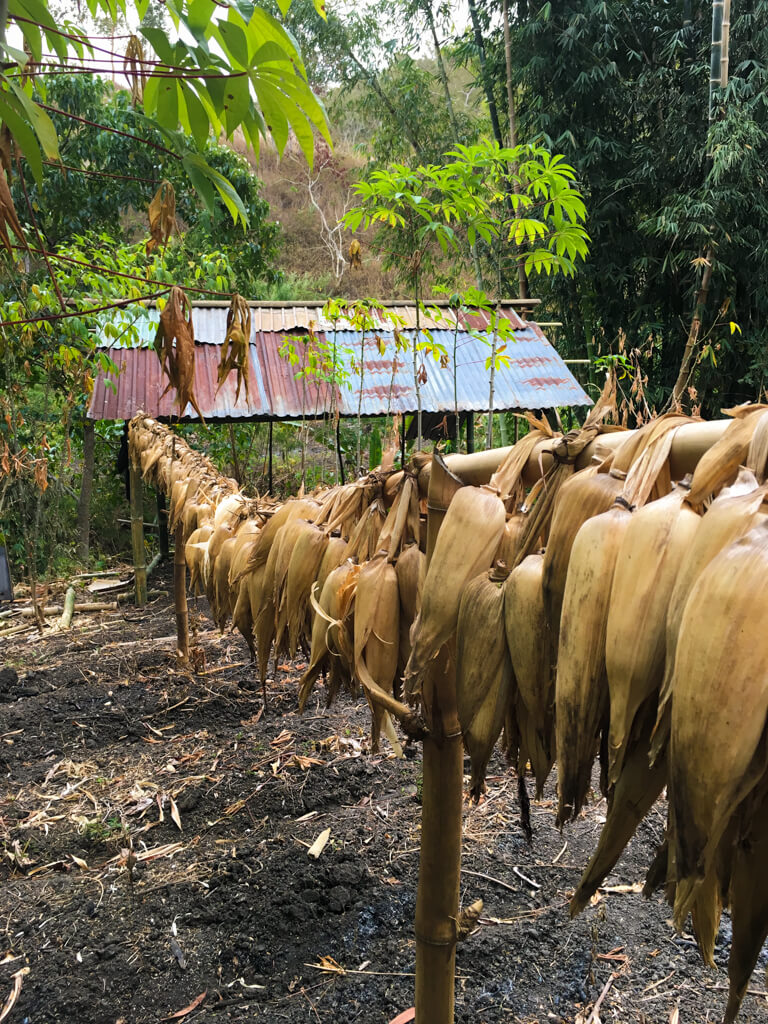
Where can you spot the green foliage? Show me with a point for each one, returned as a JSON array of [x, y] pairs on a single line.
[[240, 70], [622, 91], [68, 203]]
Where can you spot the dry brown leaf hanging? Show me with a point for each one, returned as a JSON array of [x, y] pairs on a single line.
[[8, 218], [234, 351], [133, 64], [175, 346], [6, 142], [162, 217]]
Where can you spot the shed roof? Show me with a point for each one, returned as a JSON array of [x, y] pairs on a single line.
[[536, 377]]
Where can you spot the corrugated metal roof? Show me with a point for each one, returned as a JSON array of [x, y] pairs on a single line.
[[536, 378]]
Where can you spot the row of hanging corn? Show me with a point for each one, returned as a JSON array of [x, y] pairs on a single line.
[[607, 615]]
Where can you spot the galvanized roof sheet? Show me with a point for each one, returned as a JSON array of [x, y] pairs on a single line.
[[536, 377]]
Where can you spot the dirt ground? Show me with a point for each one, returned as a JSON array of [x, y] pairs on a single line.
[[155, 827]]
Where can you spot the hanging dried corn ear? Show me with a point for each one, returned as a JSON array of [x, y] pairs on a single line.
[[236, 348], [133, 68], [466, 543], [719, 705], [402, 523], [526, 632], [748, 898], [655, 543], [582, 682], [302, 572], [483, 671], [636, 790], [730, 516], [162, 217], [377, 634], [411, 567], [175, 345], [330, 605]]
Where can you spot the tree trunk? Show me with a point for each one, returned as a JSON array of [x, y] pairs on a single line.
[[522, 277], [693, 333], [718, 79], [86, 488], [487, 83], [416, 383]]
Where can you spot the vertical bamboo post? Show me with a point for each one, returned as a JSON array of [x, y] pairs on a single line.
[[269, 464], [137, 534], [180, 596], [437, 900], [162, 524]]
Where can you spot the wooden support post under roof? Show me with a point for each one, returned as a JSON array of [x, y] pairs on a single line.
[[137, 535]]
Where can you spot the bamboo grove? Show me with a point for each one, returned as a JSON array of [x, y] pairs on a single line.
[[594, 599]]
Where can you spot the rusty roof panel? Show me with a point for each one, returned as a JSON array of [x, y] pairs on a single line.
[[536, 378]]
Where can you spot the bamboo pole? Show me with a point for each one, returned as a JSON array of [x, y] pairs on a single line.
[[162, 522], [69, 607], [688, 445], [437, 899], [180, 597], [137, 535]]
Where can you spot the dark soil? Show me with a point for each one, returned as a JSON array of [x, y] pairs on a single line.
[[155, 827]]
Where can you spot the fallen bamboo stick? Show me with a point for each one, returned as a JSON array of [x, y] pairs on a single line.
[[58, 609], [69, 607]]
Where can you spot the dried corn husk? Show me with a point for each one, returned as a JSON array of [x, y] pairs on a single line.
[[300, 508], [483, 671], [194, 554], [748, 899], [507, 481], [719, 465], [411, 568], [287, 540], [235, 350], [332, 559], [302, 572], [728, 518], [175, 346], [526, 633], [466, 543], [654, 544], [757, 454], [376, 637], [364, 539], [581, 689], [720, 687], [509, 545], [331, 607], [242, 619], [587, 494], [402, 523], [637, 787]]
